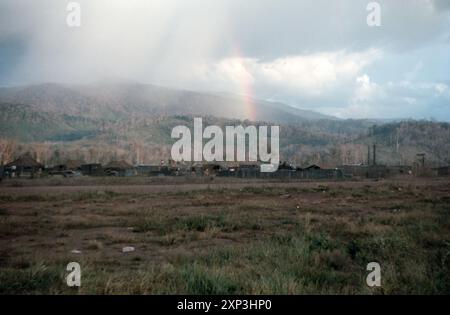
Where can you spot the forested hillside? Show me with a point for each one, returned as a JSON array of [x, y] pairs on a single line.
[[133, 122], [53, 138]]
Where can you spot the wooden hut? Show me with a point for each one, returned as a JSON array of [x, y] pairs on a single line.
[[25, 165]]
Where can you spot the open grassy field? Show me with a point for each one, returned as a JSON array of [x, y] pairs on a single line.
[[226, 237]]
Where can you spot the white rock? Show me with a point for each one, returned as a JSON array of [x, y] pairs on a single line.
[[75, 251], [128, 249]]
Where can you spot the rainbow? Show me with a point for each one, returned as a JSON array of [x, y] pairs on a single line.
[[245, 86]]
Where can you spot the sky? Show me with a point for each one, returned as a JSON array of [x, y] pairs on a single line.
[[320, 55]]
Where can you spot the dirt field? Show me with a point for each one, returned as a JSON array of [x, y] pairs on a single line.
[[225, 236]]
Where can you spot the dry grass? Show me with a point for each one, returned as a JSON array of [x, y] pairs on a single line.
[[294, 239]]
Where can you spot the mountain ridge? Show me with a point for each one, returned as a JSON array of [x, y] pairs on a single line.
[[113, 100], [133, 122]]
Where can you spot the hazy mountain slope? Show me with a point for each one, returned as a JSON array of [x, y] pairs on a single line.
[[134, 121], [27, 123], [119, 100]]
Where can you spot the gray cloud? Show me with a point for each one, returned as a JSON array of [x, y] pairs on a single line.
[[277, 46], [441, 5]]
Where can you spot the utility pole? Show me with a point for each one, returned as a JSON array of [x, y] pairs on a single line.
[[397, 143], [422, 159], [374, 154]]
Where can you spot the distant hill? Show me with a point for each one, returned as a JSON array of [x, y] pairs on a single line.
[[133, 122], [120, 100]]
